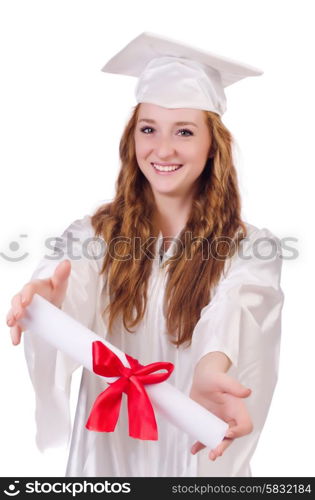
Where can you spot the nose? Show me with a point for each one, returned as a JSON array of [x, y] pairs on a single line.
[[164, 148]]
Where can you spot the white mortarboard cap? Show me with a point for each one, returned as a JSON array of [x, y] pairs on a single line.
[[174, 75]]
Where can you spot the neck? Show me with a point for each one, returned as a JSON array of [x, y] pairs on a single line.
[[172, 213]]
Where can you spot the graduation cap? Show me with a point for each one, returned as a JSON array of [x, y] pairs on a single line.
[[174, 75]]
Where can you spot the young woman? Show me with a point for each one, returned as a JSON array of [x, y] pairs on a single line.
[[182, 279]]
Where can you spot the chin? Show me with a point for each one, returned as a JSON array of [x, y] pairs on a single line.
[[167, 191]]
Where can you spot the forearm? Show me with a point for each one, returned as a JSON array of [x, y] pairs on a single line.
[[214, 361]]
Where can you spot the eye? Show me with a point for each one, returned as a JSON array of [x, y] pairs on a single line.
[[185, 132], [147, 130]]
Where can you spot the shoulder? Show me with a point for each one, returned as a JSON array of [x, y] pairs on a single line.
[[259, 242], [79, 239], [81, 227], [257, 259], [254, 232]]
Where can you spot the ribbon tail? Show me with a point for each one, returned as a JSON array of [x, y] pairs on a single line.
[[105, 411], [142, 423]]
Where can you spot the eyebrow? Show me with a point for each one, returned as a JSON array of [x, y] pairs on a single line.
[[179, 124]]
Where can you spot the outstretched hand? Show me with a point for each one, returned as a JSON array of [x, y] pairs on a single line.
[[52, 289], [224, 397]]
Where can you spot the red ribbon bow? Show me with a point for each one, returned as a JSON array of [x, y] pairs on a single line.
[[105, 412]]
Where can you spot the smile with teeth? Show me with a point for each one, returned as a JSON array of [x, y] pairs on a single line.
[[166, 168]]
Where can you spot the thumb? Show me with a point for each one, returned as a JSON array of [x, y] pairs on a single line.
[[233, 386], [61, 273]]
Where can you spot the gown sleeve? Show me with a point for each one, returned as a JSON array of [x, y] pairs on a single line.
[[245, 311], [51, 370], [243, 320]]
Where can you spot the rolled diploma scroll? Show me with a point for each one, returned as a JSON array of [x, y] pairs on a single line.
[[68, 335]]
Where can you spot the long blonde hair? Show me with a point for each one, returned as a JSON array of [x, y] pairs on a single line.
[[214, 219]]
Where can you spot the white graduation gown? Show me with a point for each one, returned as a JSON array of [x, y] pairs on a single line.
[[243, 320]]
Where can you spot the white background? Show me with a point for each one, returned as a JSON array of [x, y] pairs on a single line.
[[60, 123]]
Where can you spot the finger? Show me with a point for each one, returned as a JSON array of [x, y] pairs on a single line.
[[230, 433], [17, 308], [61, 273], [15, 333], [10, 318], [228, 384], [196, 447], [27, 292], [219, 450]]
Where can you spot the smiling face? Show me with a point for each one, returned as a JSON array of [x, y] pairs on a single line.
[[172, 147]]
